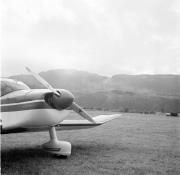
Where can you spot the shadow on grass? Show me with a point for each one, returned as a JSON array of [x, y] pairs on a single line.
[[21, 154], [33, 160]]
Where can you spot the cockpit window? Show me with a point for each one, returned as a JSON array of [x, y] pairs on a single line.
[[9, 85]]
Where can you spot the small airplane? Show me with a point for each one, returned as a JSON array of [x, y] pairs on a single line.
[[32, 110]]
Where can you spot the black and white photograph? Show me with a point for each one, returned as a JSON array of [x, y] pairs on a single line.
[[90, 87]]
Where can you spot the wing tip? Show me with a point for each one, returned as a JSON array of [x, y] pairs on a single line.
[[105, 118]]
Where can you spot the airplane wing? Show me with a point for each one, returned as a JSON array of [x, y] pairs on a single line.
[[84, 124], [68, 124]]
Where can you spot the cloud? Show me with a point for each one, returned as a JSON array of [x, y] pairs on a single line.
[[106, 37], [176, 7]]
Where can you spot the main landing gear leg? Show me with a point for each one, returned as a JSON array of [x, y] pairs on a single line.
[[56, 147]]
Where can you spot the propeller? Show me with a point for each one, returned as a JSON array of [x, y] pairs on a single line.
[[42, 81], [75, 107]]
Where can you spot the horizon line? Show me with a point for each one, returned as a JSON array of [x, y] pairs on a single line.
[[69, 69]]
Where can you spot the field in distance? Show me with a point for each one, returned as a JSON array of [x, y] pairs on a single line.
[[133, 144]]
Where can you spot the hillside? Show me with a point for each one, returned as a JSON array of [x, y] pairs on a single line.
[[136, 93]]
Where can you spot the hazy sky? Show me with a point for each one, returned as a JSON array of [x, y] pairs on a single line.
[[102, 36]]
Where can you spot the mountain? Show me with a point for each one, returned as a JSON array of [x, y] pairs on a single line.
[[157, 84], [67, 79], [136, 93]]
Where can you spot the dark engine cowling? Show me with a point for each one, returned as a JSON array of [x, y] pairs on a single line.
[[63, 101]]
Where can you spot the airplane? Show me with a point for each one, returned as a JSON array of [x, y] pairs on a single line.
[[34, 110]]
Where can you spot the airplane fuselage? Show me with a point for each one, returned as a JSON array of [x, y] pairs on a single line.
[[33, 108]]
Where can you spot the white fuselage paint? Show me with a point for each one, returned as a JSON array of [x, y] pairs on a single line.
[[32, 118]]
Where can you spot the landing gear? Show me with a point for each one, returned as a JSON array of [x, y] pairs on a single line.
[[56, 147]]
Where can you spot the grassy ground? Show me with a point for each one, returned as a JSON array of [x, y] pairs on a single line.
[[133, 144]]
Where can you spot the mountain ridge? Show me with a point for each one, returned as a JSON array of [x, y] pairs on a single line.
[[118, 92]]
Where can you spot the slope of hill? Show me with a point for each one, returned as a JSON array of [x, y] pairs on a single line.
[[157, 84], [138, 93]]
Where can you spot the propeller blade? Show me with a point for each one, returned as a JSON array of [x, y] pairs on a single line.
[[82, 112], [42, 81]]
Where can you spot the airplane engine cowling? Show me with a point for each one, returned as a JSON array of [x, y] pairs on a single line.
[[62, 102]]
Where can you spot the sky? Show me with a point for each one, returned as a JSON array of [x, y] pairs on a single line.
[[99, 36]]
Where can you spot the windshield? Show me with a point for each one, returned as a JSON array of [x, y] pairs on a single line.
[[9, 85]]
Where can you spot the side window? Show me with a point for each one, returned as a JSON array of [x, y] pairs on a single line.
[[5, 89], [8, 86]]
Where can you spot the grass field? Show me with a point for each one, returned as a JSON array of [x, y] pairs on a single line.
[[133, 144]]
